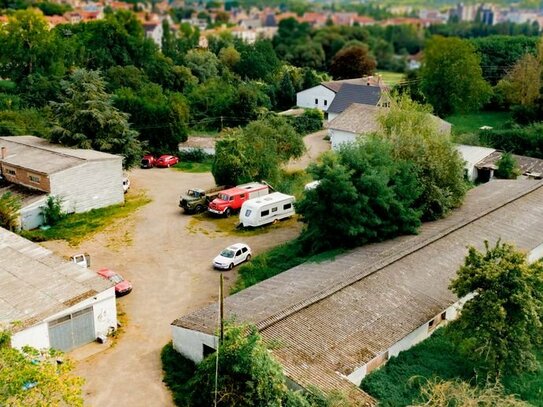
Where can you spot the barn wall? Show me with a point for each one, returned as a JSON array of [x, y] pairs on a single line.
[[190, 343], [95, 184], [321, 94]]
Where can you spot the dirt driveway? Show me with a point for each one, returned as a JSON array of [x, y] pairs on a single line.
[[315, 145], [167, 257]]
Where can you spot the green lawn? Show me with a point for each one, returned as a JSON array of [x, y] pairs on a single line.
[[470, 123], [398, 383], [188, 166], [391, 78], [76, 227]]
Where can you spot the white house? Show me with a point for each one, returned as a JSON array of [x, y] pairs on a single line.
[[338, 320], [49, 302], [84, 179], [360, 119], [154, 31]]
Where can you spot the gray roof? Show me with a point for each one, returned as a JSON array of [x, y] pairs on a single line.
[[528, 165], [359, 119], [337, 315], [350, 93], [26, 195], [35, 284], [473, 154], [335, 86], [37, 154]]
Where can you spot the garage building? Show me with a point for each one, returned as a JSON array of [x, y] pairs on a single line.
[[336, 321], [49, 302], [84, 179]]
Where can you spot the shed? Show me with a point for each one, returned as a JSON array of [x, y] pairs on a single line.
[[471, 156], [48, 301], [336, 321], [84, 179]]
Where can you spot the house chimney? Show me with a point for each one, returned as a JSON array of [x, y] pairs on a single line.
[[3, 152]]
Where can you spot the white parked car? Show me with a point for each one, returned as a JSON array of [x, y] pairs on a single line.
[[232, 256]]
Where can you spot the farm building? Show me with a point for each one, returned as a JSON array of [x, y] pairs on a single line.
[[359, 119], [50, 302], [84, 179], [338, 320]]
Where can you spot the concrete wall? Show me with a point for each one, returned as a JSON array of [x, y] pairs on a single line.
[[95, 184], [339, 137], [105, 316], [190, 343], [317, 97], [31, 216]]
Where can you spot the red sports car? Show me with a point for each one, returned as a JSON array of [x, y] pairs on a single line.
[[122, 286], [166, 161]]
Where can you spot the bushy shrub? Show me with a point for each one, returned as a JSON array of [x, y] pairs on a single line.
[[9, 211], [178, 370], [309, 122], [507, 167], [194, 155], [517, 140], [52, 211]]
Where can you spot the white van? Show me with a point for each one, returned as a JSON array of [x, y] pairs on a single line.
[[266, 209]]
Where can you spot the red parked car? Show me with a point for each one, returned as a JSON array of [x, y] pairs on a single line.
[[122, 286], [148, 161], [166, 161]]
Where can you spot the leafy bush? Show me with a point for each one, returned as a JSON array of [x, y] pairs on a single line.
[[194, 155], [517, 140], [52, 211], [507, 167], [9, 211], [178, 370], [309, 122]]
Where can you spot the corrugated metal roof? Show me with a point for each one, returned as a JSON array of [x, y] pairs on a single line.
[[350, 93], [39, 155], [36, 284], [338, 315]]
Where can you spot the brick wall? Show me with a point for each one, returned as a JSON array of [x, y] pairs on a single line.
[[21, 176]]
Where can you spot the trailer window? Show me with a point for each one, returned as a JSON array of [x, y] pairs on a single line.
[[274, 209], [265, 213], [287, 206], [247, 213]]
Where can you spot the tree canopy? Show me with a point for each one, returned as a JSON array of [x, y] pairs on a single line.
[[352, 62]]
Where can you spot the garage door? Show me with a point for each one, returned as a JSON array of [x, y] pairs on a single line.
[[72, 330]]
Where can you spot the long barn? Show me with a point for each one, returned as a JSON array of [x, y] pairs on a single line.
[[338, 320]]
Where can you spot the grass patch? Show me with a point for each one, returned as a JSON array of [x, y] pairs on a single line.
[[470, 123], [193, 167], [79, 226], [275, 261], [398, 383], [178, 370], [293, 182], [391, 78]]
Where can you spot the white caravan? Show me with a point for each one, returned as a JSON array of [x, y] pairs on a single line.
[[266, 209]]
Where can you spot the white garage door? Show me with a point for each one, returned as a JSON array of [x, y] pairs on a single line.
[[72, 330]]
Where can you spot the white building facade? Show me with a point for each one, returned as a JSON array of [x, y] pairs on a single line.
[[317, 97]]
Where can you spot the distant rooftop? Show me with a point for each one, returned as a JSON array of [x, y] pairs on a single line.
[[37, 154], [350, 93]]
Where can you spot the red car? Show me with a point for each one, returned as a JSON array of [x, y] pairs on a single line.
[[148, 161], [122, 286], [166, 161]]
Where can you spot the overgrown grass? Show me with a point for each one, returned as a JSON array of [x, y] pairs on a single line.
[[293, 182], [398, 383], [79, 226], [391, 78], [275, 261], [177, 372], [193, 167], [472, 122]]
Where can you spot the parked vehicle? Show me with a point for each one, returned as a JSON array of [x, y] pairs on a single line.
[[166, 161], [230, 200], [148, 161], [232, 256], [196, 200], [122, 286], [126, 184], [267, 209], [82, 260]]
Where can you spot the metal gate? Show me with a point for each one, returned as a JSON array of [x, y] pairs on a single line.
[[72, 330]]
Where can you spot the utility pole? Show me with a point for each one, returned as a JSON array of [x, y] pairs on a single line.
[[221, 302]]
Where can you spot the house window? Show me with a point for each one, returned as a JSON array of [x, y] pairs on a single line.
[[325, 102], [316, 101], [34, 178], [265, 213], [287, 206], [10, 171]]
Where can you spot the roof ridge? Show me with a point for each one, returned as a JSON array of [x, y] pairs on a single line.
[[327, 292]]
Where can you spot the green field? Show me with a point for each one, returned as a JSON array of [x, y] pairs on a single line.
[[470, 123], [391, 78]]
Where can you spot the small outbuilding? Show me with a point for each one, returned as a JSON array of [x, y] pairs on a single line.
[[83, 179], [50, 302]]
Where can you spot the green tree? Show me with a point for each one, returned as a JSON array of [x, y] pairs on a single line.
[[451, 76], [29, 377], [522, 84], [364, 195], [52, 211], [203, 64], [415, 137], [229, 56], [257, 61], [86, 118], [507, 167], [501, 325], [9, 211], [352, 62]]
